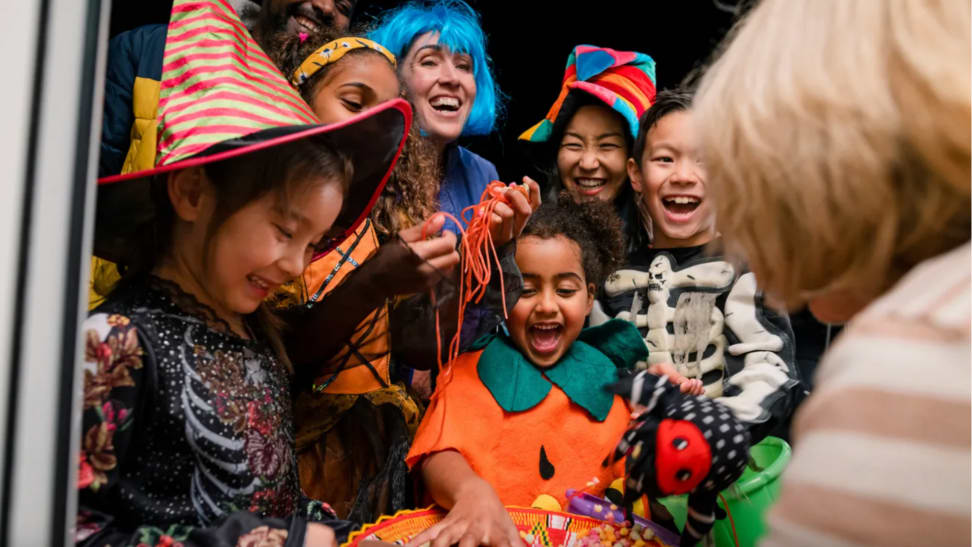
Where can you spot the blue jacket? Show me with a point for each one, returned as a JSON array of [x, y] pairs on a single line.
[[132, 82], [467, 176]]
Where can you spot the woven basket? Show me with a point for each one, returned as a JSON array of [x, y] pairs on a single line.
[[549, 528]]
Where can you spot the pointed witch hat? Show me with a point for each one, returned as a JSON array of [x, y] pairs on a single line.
[[221, 97]]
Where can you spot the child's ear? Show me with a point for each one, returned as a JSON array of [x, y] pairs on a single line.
[[591, 291], [634, 174], [185, 188]]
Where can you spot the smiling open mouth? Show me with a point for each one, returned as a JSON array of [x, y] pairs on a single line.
[[306, 23], [545, 337], [681, 205], [260, 283], [445, 104], [303, 15], [590, 183]]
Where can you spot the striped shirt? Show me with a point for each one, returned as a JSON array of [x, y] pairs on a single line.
[[882, 446]]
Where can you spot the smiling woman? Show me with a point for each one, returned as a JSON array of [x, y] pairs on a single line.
[[592, 154], [586, 137], [440, 85], [449, 81]]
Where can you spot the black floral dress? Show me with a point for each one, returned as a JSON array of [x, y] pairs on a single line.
[[187, 429]]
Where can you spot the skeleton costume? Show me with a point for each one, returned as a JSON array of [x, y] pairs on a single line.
[[188, 432], [708, 318]]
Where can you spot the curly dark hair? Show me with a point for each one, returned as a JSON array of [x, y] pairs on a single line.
[[412, 192], [593, 225]]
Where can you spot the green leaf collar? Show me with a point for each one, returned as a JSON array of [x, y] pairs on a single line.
[[591, 363]]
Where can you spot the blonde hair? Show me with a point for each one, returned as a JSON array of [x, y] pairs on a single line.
[[836, 139]]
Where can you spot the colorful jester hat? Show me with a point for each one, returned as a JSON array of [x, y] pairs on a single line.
[[680, 444], [221, 97], [623, 80]]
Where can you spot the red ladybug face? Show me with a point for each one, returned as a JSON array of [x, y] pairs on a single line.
[[682, 456]]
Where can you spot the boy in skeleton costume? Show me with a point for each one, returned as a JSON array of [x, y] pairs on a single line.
[[699, 313]]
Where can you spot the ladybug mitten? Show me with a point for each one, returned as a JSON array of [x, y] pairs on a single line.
[[680, 444]]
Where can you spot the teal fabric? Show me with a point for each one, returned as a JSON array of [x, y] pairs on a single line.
[[582, 374], [591, 363], [619, 340], [515, 383], [481, 342]]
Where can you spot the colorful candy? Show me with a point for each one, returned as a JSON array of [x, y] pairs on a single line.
[[615, 535]]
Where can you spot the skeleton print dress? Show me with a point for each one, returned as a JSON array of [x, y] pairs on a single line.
[[187, 429], [708, 318]]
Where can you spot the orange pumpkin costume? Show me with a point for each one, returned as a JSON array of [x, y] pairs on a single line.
[[530, 431]]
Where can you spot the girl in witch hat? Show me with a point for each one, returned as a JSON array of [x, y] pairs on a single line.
[[187, 425]]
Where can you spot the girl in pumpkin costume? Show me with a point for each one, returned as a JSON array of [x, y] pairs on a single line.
[[531, 413], [526, 414]]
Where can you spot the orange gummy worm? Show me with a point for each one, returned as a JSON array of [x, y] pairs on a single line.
[[477, 255]]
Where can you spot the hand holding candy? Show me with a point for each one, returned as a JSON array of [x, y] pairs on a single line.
[[511, 214], [319, 535]]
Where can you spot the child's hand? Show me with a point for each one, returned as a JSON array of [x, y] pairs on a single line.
[[413, 264], [691, 386], [508, 220], [477, 518]]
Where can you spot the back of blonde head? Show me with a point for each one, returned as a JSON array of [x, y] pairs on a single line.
[[836, 137]]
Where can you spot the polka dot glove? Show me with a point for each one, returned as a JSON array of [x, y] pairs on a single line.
[[680, 444]]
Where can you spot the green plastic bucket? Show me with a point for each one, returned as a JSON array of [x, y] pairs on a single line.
[[749, 498]]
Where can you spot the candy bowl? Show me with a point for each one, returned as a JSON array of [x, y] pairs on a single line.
[[537, 527]]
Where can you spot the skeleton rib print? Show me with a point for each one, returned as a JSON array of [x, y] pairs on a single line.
[[706, 317]]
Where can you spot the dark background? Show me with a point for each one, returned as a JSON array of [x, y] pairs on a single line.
[[529, 41]]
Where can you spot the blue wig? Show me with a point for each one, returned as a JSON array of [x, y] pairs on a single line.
[[459, 30]]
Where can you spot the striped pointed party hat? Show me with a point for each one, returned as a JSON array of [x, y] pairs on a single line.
[[222, 97], [622, 80]]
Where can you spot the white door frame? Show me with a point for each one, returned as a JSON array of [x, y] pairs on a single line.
[[53, 63]]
